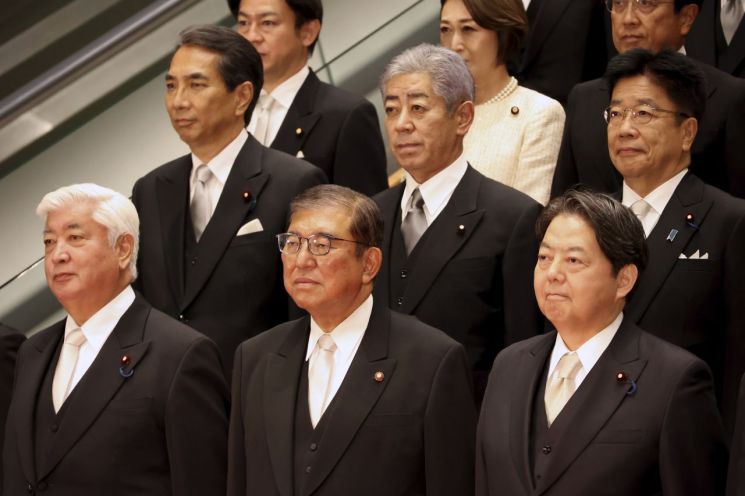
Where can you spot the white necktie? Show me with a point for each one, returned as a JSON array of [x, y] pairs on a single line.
[[562, 386], [201, 206], [319, 377], [415, 222], [262, 119], [730, 16], [68, 359], [641, 208]]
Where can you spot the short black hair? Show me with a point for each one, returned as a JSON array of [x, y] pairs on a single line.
[[239, 60], [304, 10], [679, 4], [618, 232], [680, 78]]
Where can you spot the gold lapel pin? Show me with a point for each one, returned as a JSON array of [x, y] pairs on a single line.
[[379, 376], [298, 131]]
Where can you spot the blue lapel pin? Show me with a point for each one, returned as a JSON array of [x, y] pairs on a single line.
[[671, 236]]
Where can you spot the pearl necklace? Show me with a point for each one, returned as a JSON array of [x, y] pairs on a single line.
[[504, 92]]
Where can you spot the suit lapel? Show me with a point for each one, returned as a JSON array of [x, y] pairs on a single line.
[[173, 199], [357, 395], [300, 116], [735, 52], [549, 13], [527, 378], [594, 402], [663, 253], [101, 381], [701, 41], [246, 176], [280, 397], [445, 238], [389, 210], [27, 393]]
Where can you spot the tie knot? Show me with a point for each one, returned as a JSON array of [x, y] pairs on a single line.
[[75, 338], [568, 366], [416, 201], [641, 208], [265, 102], [203, 173], [326, 342]]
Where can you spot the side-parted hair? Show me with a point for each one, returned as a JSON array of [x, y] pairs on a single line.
[[618, 231], [682, 80], [507, 18], [112, 210], [239, 60], [450, 77], [366, 221]]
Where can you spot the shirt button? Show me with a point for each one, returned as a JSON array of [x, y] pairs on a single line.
[[308, 469], [546, 449], [400, 300], [404, 273], [313, 446], [29, 487], [194, 261]]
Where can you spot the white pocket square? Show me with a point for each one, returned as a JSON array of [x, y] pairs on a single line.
[[695, 256], [250, 227], [300, 154]]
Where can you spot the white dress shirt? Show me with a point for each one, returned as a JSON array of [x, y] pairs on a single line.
[[347, 336], [283, 95], [437, 190], [97, 330], [589, 353], [220, 167], [657, 199]]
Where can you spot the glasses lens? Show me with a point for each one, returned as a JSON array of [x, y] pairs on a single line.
[[613, 115], [616, 5], [319, 244], [646, 6], [289, 243], [641, 115]]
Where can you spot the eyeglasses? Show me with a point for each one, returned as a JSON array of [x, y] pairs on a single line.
[[318, 244], [614, 116], [643, 6]]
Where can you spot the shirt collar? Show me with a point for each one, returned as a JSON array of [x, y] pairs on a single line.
[[659, 197], [347, 334], [285, 92], [98, 328], [437, 190], [221, 163], [590, 351]]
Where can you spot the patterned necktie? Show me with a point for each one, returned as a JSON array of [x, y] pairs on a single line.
[[319, 377], [415, 222], [201, 206], [562, 386], [68, 359], [730, 16]]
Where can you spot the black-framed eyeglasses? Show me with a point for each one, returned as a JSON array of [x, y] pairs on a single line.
[[318, 244], [643, 6], [641, 114]]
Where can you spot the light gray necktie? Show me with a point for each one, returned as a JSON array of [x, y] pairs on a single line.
[[730, 15], [415, 222], [320, 376], [201, 206], [266, 102], [65, 370], [641, 208], [562, 386]]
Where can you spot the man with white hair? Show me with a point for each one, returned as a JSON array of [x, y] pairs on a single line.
[[118, 398]]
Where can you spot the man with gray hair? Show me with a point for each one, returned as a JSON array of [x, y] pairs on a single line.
[[458, 248], [118, 398]]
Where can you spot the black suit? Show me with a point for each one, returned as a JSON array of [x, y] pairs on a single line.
[[471, 274], [411, 433], [706, 41], [339, 132], [160, 431], [718, 152], [10, 341], [736, 475], [698, 304], [566, 44], [665, 438], [232, 289]]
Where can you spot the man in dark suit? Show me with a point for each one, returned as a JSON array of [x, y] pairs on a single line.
[[718, 154], [10, 341], [458, 247], [118, 398], [354, 399], [208, 253], [691, 294], [297, 113], [711, 43], [566, 45], [736, 474], [598, 406]]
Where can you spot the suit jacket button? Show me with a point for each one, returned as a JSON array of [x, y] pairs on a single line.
[[181, 317], [313, 446], [41, 486], [546, 449], [404, 273], [400, 300], [194, 261], [308, 469], [53, 427], [29, 488]]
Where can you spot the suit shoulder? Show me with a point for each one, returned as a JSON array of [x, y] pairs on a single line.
[[500, 197], [273, 338], [334, 98], [163, 327], [422, 336], [285, 166], [538, 103], [388, 196], [166, 168], [667, 355], [733, 86]]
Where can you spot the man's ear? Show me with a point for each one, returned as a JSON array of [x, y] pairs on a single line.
[[309, 32], [690, 129], [244, 93], [124, 249], [464, 113], [686, 17], [625, 279], [372, 260]]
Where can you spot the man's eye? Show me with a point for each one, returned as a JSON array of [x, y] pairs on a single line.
[[647, 3]]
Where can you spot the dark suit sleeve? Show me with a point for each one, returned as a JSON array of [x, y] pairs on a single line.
[[522, 317], [10, 341], [450, 428], [693, 456], [197, 423], [360, 161], [734, 294], [236, 443], [736, 476], [734, 151], [565, 174], [136, 284]]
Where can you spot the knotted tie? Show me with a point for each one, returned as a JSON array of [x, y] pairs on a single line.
[[262, 119], [319, 377], [201, 206], [641, 208], [66, 367], [562, 386], [415, 223], [730, 15]]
